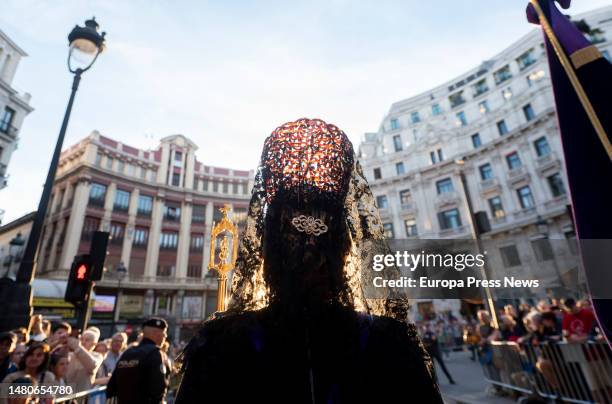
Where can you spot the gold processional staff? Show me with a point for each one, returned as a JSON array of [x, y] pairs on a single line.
[[222, 231]]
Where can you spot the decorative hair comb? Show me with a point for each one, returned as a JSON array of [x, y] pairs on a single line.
[[309, 225]]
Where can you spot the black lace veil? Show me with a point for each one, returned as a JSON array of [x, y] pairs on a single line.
[[312, 160]]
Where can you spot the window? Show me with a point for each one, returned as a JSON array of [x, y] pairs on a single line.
[[117, 231], [109, 163], [449, 219], [480, 87], [245, 188], [461, 119], [394, 124], [436, 156], [541, 147], [411, 227], [476, 142], [131, 170], [7, 120], [97, 193], [397, 142], [377, 174], [414, 117], [510, 256], [120, 166], [526, 59], [528, 111], [90, 224], [486, 172], [444, 186], [388, 229], [143, 173], [235, 188], [153, 176], [141, 237], [483, 107], [542, 249], [507, 93], [502, 128], [436, 110], [198, 214], [399, 168], [456, 99], [205, 184], [145, 205], [225, 187], [382, 202], [497, 209], [525, 197], [98, 162], [502, 74], [513, 160], [194, 271], [168, 240], [196, 244], [215, 187], [172, 212], [176, 179], [163, 301], [122, 200], [405, 196], [555, 182], [178, 156], [433, 157]]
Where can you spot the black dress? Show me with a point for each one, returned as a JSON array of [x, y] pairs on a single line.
[[327, 355]]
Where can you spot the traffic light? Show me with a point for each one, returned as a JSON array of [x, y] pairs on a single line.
[[79, 280]]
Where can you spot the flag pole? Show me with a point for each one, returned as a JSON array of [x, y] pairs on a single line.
[[565, 62]]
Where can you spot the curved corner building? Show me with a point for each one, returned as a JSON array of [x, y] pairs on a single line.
[[497, 124]]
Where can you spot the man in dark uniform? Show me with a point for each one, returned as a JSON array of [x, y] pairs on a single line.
[[430, 341], [141, 375]]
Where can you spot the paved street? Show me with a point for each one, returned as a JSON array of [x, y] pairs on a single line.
[[471, 386]]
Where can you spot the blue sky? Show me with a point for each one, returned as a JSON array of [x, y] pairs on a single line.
[[225, 74]]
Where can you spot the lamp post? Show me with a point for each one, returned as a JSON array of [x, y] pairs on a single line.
[[542, 226], [476, 235], [121, 274], [15, 246], [86, 44]]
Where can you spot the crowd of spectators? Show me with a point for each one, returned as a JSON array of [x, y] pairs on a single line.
[[52, 353]]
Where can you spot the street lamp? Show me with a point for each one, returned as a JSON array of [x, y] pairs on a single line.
[[121, 271], [86, 43], [15, 246], [476, 235]]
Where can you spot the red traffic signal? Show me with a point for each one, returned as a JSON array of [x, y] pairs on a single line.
[[79, 280]]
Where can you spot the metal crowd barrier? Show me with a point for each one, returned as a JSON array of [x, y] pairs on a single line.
[[97, 395], [574, 373]]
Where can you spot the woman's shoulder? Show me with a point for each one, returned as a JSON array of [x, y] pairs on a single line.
[[11, 377], [48, 377]]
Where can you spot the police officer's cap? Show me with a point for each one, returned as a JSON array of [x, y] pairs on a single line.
[[156, 322]]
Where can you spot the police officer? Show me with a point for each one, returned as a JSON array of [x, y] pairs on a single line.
[[141, 375]]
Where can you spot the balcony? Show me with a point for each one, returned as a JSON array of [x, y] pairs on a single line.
[[525, 213], [96, 202], [8, 130], [408, 207], [518, 174], [547, 162], [453, 231], [447, 198], [488, 185]]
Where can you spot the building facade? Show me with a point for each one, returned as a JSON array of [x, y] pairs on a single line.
[[158, 206], [14, 107], [496, 124]]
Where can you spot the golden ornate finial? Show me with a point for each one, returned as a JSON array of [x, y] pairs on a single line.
[[226, 262]]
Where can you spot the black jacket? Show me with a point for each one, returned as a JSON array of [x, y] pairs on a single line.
[[140, 375]]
